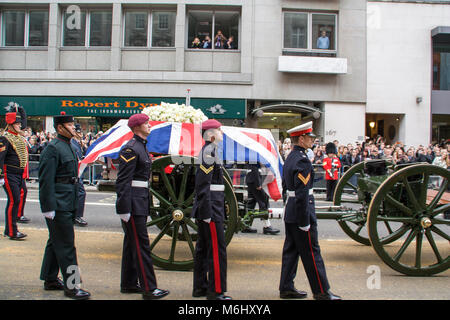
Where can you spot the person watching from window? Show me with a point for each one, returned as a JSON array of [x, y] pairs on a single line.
[[219, 40], [207, 43], [323, 42], [196, 44], [230, 44]]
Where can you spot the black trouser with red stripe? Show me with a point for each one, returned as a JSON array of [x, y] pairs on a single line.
[[136, 260], [305, 245], [14, 183], [210, 257]]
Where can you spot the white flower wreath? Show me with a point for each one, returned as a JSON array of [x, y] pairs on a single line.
[[175, 113]]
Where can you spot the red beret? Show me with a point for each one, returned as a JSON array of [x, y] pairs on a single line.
[[211, 124], [137, 119]]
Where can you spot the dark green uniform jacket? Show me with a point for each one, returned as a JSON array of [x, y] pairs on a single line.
[[58, 170]]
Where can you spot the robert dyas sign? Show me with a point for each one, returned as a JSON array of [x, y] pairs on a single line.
[[120, 107]]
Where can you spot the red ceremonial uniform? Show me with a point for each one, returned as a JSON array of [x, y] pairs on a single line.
[[331, 166]]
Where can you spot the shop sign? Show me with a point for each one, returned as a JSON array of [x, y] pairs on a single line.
[[120, 107]]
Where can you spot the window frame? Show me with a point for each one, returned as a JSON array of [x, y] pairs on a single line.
[[309, 34], [87, 31], [26, 37], [213, 23], [149, 12]]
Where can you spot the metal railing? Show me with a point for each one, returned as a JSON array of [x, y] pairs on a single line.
[[91, 175]]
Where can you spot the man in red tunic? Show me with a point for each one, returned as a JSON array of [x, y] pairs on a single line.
[[331, 166]]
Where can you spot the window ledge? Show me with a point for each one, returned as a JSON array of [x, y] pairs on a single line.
[[312, 65]]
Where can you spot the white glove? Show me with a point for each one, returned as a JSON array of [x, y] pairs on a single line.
[[306, 229], [125, 216], [207, 220], [49, 215], [2, 182]]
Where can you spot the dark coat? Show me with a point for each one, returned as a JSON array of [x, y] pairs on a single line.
[[58, 161]]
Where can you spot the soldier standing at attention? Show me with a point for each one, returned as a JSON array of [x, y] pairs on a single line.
[[301, 222], [210, 256], [13, 161], [331, 165], [58, 197], [132, 206]]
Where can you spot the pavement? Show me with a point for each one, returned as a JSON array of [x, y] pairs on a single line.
[[254, 266]]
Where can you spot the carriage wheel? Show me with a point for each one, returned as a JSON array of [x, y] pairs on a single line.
[[355, 224], [170, 210], [414, 197]]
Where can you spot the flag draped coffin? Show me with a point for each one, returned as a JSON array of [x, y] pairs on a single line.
[[172, 138]]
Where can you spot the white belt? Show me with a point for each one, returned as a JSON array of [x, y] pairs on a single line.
[[291, 194], [139, 184], [217, 187]]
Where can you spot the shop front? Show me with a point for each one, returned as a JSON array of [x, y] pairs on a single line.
[[100, 113]]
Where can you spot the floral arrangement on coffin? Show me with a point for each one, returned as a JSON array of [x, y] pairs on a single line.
[[175, 113]]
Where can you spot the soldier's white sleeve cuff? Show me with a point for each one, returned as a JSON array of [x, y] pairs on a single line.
[[125, 216], [306, 229], [49, 215]]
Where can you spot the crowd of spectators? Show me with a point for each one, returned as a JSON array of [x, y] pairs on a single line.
[[398, 153], [37, 141], [219, 42]]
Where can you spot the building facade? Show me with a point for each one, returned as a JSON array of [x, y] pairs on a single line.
[[290, 61]]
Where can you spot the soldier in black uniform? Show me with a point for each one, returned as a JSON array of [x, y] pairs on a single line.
[[13, 160], [256, 194], [132, 206], [58, 197], [301, 222], [210, 256]]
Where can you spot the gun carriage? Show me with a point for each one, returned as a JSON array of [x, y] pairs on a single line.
[[398, 210]]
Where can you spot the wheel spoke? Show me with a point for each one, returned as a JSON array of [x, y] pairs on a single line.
[[412, 197], [351, 186], [191, 223], [157, 220], [396, 219], [430, 238], [395, 235], [183, 186], [423, 190], [405, 245], [168, 185], [160, 235], [388, 227], [176, 226], [419, 239], [440, 232], [399, 205], [438, 196], [161, 198], [189, 200], [188, 237], [440, 209]]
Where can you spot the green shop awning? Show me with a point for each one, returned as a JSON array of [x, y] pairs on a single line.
[[119, 107]]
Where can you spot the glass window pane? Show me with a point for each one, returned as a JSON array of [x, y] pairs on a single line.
[[163, 29], [200, 26], [226, 28], [323, 31], [13, 28], [74, 29], [100, 29], [136, 26], [295, 30], [38, 33]]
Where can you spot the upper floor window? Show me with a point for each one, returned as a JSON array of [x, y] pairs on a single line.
[[149, 29], [24, 28], [309, 33], [87, 28], [213, 29]]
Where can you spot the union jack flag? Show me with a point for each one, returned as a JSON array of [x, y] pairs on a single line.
[[238, 145]]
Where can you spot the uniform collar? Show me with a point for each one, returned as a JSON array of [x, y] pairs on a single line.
[[297, 147], [63, 138], [144, 141], [12, 132]]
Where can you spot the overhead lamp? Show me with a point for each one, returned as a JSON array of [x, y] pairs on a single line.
[[372, 124]]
